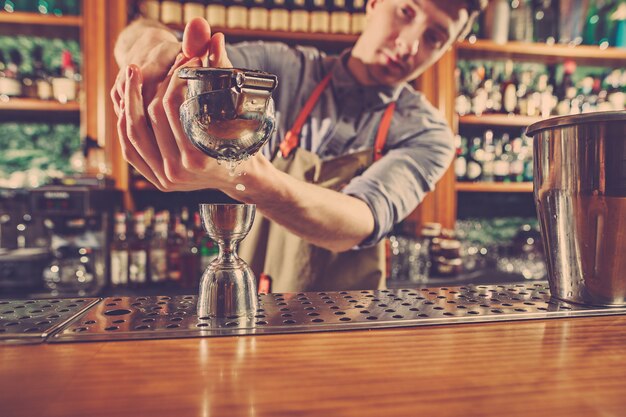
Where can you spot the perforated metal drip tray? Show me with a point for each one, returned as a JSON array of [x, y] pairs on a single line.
[[31, 321], [171, 317]]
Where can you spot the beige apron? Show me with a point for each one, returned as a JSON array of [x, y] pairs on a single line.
[[293, 264]]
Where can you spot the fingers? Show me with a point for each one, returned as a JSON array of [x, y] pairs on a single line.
[[138, 132], [131, 155], [116, 96], [196, 38], [172, 99], [218, 57]]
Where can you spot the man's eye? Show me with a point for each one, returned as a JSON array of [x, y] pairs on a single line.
[[433, 39], [407, 12]]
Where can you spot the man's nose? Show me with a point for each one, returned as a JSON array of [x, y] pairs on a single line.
[[407, 48]]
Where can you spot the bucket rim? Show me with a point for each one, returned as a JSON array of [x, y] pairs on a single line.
[[576, 119]]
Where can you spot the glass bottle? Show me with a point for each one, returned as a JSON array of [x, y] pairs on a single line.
[[357, 11], [215, 12], [339, 17], [41, 75], [65, 85], [237, 14], [460, 163], [171, 12], [119, 252], [138, 248], [521, 26], [501, 162], [545, 21], [258, 15], [158, 249], [299, 16], [192, 9], [488, 156], [474, 161], [320, 17], [279, 16], [174, 245], [151, 9], [10, 84]]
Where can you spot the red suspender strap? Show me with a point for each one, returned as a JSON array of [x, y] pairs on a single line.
[[383, 130], [292, 138]]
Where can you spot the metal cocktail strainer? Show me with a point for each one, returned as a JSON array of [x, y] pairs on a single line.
[[228, 115]]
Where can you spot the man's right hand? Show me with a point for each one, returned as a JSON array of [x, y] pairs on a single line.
[[153, 49]]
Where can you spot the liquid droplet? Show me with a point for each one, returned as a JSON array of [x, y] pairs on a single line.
[[240, 187]]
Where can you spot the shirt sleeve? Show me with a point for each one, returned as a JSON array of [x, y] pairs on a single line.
[[394, 185]]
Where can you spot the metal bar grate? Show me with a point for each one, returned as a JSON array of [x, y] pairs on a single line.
[[124, 318], [31, 321]]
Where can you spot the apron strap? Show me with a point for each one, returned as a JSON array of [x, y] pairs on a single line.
[[383, 130], [292, 138]]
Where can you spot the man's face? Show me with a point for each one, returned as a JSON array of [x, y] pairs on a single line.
[[404, 37]]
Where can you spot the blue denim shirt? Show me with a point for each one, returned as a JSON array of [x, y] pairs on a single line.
[[419, 145]]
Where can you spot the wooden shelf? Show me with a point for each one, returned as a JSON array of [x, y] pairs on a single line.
[[40, 19], [592, 55], [30, 104], [335, 40], [495, 187], [502, 120]]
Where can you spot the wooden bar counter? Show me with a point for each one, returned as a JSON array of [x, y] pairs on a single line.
[[559, 367]]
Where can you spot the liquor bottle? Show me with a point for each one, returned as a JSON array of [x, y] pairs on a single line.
[[10, 84], [258, 15], [488, 156], [320, 18], [460, 163], [545, 21], [237, 14], [192, 9], [571, 21], [41, 76], [299, 17], [279, 16], [174, 245], [119, 252], [527, 152], [501, 162], [138, 249], [70, 7], [480, 95], [497, 18], [7, 6], [158, 249], [151, 9], [357, 11], [339, 17], [474, 163], [65, 85], [216, 13], [171, 12], [521, 26], [189, 261], [566, 92], [517, 161]]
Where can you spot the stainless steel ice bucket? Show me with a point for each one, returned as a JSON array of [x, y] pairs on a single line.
[[580, 194]]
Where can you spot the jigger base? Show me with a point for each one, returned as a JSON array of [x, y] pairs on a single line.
[[228, 293]]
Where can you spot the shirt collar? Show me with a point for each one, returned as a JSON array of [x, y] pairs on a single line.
[[346, 85]]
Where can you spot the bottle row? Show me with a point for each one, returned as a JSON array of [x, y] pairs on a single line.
[[590, 22], [46, 7], [154, 248], [323, 16], [490, 158], [32, 153], [536, 89], [40, 68]]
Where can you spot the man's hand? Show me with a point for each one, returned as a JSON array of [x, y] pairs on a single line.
[[152, 139], [153, 48]]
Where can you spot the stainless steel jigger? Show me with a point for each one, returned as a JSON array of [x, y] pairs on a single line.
[[228, 287], [228, 115]]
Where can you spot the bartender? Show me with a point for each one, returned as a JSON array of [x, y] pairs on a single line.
[[355, 150]]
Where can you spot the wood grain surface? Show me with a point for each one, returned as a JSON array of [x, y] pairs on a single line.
[[561, 367]]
